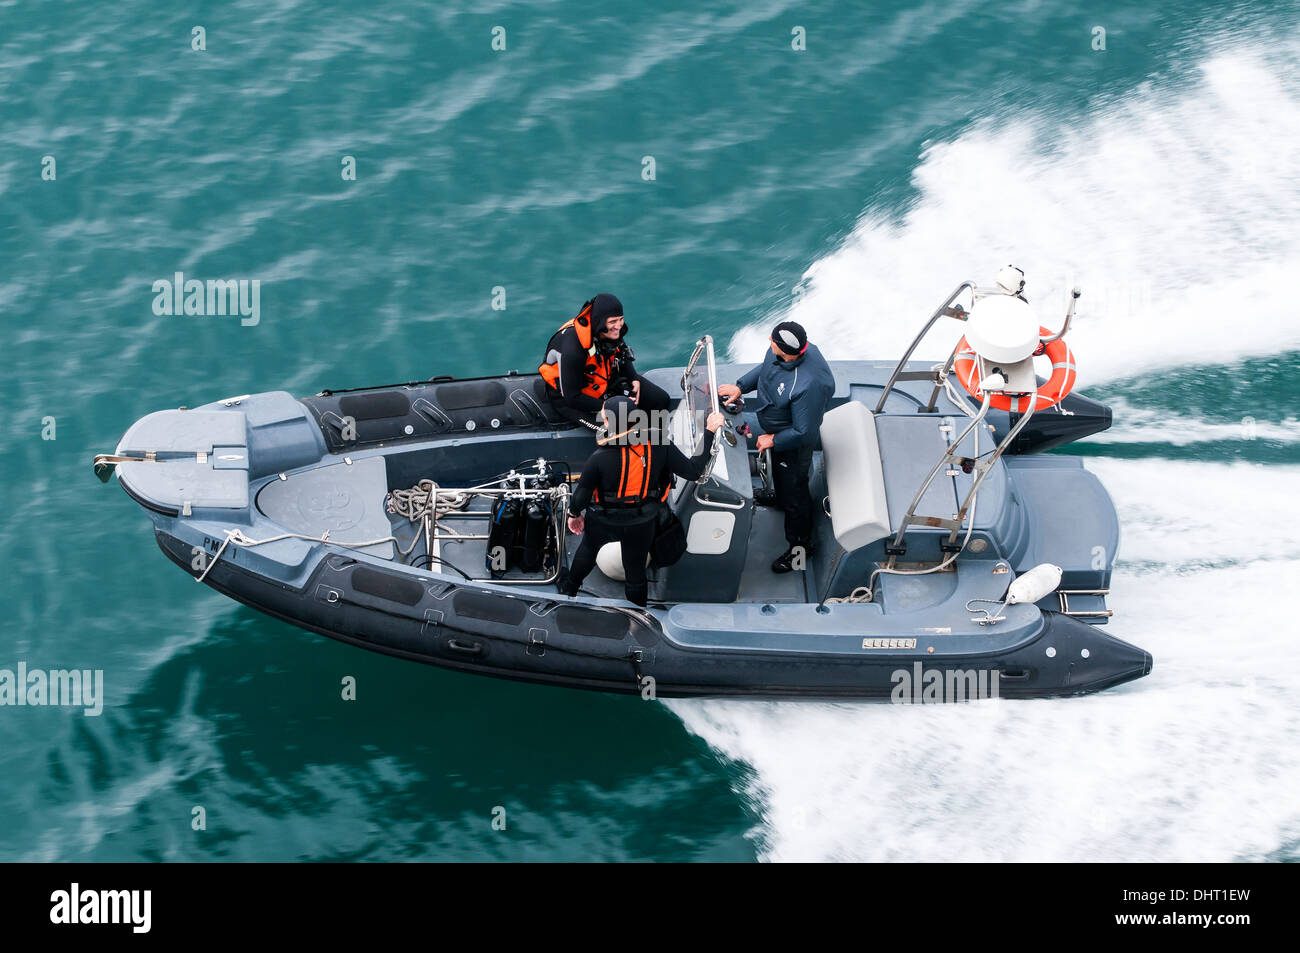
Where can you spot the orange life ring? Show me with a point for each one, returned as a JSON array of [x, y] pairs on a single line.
[[1050, 394]]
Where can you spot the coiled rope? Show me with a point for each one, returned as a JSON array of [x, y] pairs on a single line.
[[424, 500], [418, 503], [859, 594]]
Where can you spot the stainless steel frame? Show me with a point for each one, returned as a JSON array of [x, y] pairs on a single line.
[[1069, 316], [1064, 596], [946, 309], [557, 496], [981, 468], [951, 310]]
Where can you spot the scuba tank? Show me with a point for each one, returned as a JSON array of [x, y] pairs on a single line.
[[536, 536], [505, 537], [520, 535]]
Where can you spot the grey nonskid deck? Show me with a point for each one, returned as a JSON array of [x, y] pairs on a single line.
[[767, 541]]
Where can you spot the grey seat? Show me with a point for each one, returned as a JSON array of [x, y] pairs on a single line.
[[855, 479]]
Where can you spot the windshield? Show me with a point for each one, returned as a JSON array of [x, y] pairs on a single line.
[[699, 399]]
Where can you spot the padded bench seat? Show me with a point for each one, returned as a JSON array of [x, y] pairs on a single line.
[[855, 479]]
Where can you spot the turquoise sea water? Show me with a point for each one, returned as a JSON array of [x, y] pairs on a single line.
[[849, 185]]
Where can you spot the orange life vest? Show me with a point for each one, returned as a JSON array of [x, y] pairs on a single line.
[[598, 368], [633, 478]]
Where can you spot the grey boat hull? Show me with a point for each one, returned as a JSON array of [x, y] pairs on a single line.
[[458, 628], [718, 624]]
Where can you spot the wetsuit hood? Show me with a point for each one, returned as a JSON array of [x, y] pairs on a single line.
[[603, 307], [624, 428]]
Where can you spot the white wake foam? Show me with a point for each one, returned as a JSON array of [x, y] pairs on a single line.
[[1198, 761], [1174, 210], [1135, 424]]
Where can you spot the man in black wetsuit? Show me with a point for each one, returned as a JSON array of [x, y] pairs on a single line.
[[621, 490], [588, 360]]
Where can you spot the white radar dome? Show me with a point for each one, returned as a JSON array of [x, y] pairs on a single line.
[[1002, 328]]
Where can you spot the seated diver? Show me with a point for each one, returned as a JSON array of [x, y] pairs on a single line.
[[620, 493], [588, 360]]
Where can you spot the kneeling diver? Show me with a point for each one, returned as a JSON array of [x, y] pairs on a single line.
[[622, 487]]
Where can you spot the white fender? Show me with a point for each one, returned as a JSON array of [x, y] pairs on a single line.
[[1040, 581], [609, 560]]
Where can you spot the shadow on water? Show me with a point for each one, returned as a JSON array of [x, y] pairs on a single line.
[[250, 724]]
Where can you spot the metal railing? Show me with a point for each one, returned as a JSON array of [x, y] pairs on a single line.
[[944, 310]]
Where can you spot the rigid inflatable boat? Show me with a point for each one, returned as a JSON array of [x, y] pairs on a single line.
[[426, 520]]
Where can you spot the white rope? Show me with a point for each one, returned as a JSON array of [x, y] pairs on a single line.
[[424, 502], [989, 617], [946, 379], [860, 594], [414, 504], [424, 498], [239, 539]]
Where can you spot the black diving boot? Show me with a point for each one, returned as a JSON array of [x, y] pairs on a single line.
[[786, 561], [565, 584]]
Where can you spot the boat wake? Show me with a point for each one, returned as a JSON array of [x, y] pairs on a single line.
[[1170, 215], [1164, 208], [1146, 425], [1198, 761]]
